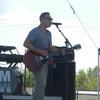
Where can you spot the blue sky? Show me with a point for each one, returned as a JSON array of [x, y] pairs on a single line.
[[18, 17]]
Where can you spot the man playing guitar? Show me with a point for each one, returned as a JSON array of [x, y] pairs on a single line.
[[39, 42]]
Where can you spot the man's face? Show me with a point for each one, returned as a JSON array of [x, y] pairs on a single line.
[[47, 20]]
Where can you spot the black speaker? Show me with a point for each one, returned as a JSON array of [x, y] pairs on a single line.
[[61, 80]]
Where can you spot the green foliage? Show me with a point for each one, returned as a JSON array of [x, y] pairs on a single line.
[[81, 80], [30, 81], [87, 80]]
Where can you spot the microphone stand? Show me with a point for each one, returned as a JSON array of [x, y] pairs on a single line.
[[70, 73], [67, 41]]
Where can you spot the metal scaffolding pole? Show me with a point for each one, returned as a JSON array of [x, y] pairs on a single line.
[[98, 73]]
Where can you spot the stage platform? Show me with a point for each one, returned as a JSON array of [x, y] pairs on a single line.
[[14, 97]]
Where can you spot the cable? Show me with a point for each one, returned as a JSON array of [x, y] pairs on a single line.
[[82, 24]]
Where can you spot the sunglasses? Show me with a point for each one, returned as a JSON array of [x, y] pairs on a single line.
[[49, 18]]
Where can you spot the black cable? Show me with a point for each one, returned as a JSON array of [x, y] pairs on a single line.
[[82, 24]]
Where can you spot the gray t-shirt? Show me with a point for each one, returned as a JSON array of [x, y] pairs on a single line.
[[39, 38]]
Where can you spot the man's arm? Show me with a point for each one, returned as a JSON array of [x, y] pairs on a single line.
[[54, 49], [28, 44]]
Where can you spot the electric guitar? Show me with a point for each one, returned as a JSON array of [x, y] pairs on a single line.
[[34, 62]]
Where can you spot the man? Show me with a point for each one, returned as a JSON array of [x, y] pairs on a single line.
[[39, 41]]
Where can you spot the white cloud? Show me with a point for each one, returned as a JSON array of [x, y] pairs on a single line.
[[20, 15], [98, 1]]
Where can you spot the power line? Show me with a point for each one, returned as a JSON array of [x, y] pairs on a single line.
[[74, 12]]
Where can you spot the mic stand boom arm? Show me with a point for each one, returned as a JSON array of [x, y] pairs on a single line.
[[67, 41]]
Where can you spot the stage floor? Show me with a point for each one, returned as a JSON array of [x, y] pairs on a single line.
[[14, 97]]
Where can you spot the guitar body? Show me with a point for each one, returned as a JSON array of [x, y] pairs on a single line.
[[32, 61]]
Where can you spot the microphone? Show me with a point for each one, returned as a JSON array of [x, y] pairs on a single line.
[[55, 23]]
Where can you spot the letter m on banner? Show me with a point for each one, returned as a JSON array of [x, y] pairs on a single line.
[[5, 81]]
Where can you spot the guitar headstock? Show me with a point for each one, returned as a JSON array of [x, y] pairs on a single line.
[[77, 46]]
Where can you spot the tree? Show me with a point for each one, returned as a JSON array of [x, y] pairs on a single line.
[[87, 80], [92, 78], [30, 81], [81, 80]]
